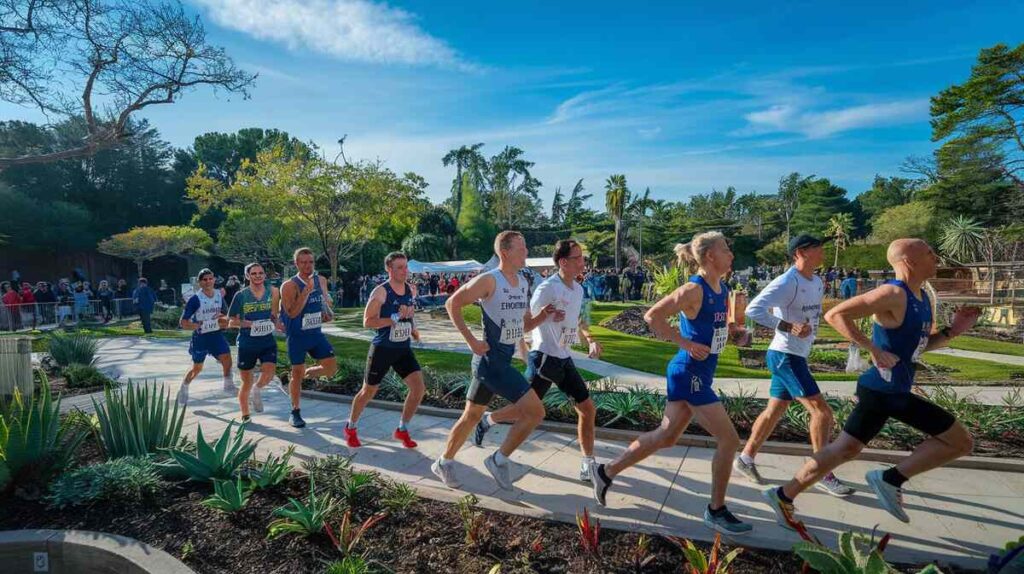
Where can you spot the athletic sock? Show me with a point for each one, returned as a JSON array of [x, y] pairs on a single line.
[[401, 425], [748, 460], [489, 418], [499, 458], [350, 425], [717, 512], [894, 477], [443, 461], [782, 496]]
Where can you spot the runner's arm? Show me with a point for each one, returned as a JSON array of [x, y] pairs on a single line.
[[481, 287], [188, 313], [371, 315], [963, 320], [684, 299], [275, 304], [235, 313], [776, 294], [328, 301], [880, 301], [292, 300]]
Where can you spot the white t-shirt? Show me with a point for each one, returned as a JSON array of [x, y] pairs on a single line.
[[794, 298], [551, 338]]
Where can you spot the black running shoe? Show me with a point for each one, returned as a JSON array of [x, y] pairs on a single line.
[[481, 429], [600, 481], [296, 419]]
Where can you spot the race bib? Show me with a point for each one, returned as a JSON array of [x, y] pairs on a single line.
[[401, 332], [921, 345], [568, 338], [886, 374], [511, 332], [312, 320], [719, 339], [209, 326], [261, 328]]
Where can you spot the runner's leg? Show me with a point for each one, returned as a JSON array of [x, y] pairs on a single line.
[[586, 414], [462, 428], [531, 413], [845, 448], [417, 389], [764, 425], [716, 421], [677, 417], [820, 427], [359, 402], [243, 392], [937, 450]]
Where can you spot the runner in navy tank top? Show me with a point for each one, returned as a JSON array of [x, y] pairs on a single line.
[[204, 315], [305, 305], [253, 312], [390, 311], [903, 329], [704, 328]]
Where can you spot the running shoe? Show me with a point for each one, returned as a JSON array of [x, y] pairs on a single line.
[[183, 395], [229, 386], [352, 437], [783, 510], [499, 472], [296, 419], [600, 483], [246, 418], [890, 496], [725, 522], [748, 470], [481, 429], [403, 435], [446, 473], [256, 400], [832, 485], [283, 387], [585, 470]]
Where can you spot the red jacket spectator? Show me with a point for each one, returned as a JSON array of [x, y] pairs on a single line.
[[26, 294], [11, 297]]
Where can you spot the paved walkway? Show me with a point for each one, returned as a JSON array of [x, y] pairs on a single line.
[[993, 357], [440, 336], [955, 518]]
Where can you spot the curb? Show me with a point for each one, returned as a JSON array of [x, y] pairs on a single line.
[[627, 436], [83, 551]]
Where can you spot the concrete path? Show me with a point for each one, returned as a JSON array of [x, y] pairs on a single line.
[[958, 515], [992, 357]]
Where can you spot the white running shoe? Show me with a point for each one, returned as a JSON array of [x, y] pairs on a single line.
[[748, 470], [446, 473], [832, 485], [890, 496], [229, 386], [256, 400], [183, 395], [500, 472], [585, 469]]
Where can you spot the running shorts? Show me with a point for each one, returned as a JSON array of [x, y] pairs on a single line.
[[380, 359], [874, 408], [543, 370]]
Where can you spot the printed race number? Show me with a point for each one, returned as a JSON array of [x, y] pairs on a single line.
[[312, 320], [261, 328]]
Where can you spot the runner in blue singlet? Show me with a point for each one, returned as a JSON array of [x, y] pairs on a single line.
[[204, 315], [253, 312]]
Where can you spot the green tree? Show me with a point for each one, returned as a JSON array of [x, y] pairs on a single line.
[[438, 221], [788, 197], [838, 229], [616, 200], [914, 219], [757, 211], [223, 153], [246, 236], [424, 247], [577, 214], [819, 201], [513, 195], [29, 223], [774, 252], [558, 207], [475, 228], [141, 244], [887, 192], [466, 159]]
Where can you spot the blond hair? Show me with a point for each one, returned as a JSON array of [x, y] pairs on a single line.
[[303, 251], [504, 240], [692, 254]]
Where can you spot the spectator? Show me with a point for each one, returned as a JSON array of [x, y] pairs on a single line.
[[29, 312], [122, 294], [106, 297], [166, 294], [11, 320], [848, 288], [231, 287], [611, 281], [145, 299], [65, 302], [453, 285], [81, 298]]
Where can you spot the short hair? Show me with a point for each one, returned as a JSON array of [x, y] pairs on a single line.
[[302, 251], [250, 266], [141, 280], [504, 240], [203, 271], [392, 256], [563, 248]]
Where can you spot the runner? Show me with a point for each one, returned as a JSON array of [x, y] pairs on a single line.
[[549, 360], [204, 316], [791, 306], [506, 316], [902, 329], [254, 312], [704, 328], [390, 312], [305, 305]]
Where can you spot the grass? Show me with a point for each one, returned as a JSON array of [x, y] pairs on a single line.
[[969, 343]]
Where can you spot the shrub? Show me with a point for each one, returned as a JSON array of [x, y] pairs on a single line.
[[271, 471], [220, 460], [229, 495], [79, 376], [123, 480], [700, 564], [348, 565], [35, 444], [329, 472], [169, 318], [303, 517], [138, 421], [398, 497], [67, 348]]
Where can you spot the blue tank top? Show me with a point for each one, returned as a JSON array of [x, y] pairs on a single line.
[[308, 321], [907, 342], [403, 331], [710, 327], [249, 308]]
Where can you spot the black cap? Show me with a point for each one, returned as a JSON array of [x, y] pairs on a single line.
[[803, 241]]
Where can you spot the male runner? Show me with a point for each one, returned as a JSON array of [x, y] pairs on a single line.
[[902, 329], [390, 311], [305, 305], [791, 305], [204, 316], [550, 360], [254, 312], [506, 316]]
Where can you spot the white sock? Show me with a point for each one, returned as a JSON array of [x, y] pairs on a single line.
[[489, 418], [443, 461], [351, 424], [499, 458], [746, 459]]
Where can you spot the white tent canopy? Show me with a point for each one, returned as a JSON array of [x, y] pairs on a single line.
[[467, 266], [531, 262]]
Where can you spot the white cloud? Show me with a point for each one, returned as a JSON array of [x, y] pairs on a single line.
[[353, 30], [819, 124]]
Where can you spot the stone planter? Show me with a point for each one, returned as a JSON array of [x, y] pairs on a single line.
[[753, 358], [82, 552]]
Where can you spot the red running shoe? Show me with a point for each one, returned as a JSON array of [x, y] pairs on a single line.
[[352, 437], [403, 435]]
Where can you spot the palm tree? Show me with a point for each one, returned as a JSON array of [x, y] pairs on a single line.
[[839, 230], [558, 207], [510, 175], [466, 158], [616, 200]]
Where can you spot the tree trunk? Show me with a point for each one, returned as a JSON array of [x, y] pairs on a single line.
[[138, 269], [618, 230], [332, 257], [458, 194]]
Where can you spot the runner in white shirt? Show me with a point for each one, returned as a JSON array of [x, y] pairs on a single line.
[[550, 360], [791, 305]]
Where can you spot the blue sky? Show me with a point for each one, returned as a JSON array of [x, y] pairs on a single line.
[[682, 97]]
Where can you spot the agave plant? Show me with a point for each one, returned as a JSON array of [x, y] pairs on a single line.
[[71, 348], [667, 280], [271, 471], [220, 460], [349, 533], [35, 444], [138, 421], [303, 517], [857, 554], [229, 495]]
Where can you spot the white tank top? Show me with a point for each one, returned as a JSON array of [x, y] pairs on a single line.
[[503, 315]]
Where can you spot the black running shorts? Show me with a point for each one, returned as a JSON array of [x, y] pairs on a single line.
[[545, 370], [380, 359], [874, 408]]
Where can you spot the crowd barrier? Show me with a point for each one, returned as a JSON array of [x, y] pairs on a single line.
[[30, 316]]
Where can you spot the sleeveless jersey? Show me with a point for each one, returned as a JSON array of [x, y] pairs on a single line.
[[309, 319], [249, 308], [503, 316], [710, 327], [908, 342], [204, 309], [398, 335]]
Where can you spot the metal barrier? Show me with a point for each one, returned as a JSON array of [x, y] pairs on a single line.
[[32, 316]]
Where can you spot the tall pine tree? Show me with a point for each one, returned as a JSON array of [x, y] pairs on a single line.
[[819, 201]]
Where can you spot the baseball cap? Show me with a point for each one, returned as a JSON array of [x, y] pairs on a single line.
[[803, 241]]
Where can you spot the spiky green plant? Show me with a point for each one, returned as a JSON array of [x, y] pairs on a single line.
[[138, 421], [221, 460], [301, 517], [229, 495], [67, 348]]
